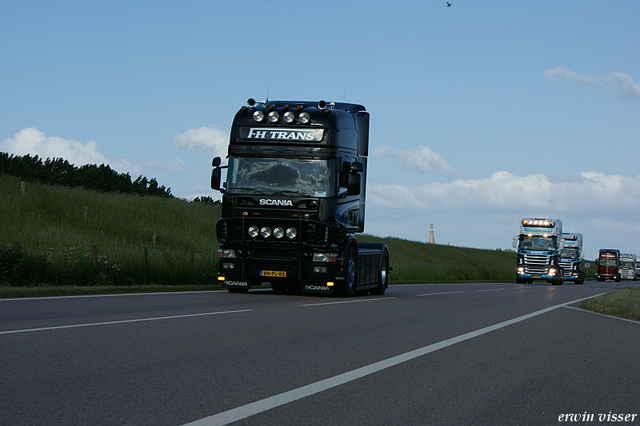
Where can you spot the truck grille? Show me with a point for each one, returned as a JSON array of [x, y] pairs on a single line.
[[309, 234], [536, 264], [566, 268]]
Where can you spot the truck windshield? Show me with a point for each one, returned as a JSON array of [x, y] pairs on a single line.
[[570, 253], [627, 264], [281, 176], [537, 243], [607, 262]]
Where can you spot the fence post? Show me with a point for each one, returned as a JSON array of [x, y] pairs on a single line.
[[94, 254]]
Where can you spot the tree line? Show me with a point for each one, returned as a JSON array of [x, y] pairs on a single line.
[[58, 171]]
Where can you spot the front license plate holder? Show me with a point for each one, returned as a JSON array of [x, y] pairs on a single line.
[[275, 274]]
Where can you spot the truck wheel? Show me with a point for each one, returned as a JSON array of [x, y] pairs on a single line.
[[383, 282], [350, 272], [580, 279]]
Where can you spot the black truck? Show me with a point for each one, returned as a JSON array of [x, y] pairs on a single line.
[[294, 198]]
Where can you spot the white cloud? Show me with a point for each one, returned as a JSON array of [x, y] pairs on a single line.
[[622, 83], [175, 165], [422, 159], [208, 140], [505, 192], [32, 141]]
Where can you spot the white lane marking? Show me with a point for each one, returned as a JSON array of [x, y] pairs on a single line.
[[349, 301], [603, 315], [82, 296], [248, 410], [444, 292], [492, 289], [59, 327]]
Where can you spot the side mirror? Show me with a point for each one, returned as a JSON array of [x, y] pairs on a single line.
[[353, 184], [357, 167], [514, 242], [215, 179], [216, 162]]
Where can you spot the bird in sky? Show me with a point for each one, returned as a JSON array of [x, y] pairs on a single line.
[[448, 4]]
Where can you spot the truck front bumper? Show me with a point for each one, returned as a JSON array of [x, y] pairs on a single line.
[[549, 275]]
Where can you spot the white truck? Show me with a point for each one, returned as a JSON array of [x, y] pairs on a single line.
[[628, 266]]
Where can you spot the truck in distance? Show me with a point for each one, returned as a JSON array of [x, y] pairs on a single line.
[[571, 257], [538, 251], [294, 198], [608, 262], [628, 266]]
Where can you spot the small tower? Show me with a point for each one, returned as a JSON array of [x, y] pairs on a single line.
[[432, 239]]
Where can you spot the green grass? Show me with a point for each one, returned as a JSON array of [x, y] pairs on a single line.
[[624, 303], [54, 236], [55, 239]]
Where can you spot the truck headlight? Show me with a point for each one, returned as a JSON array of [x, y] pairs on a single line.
[[288, 117], [265, 232], [274, 117], [228, 253], [291, 233], [258, 116], [552, 271], [278, 232], [304, 117], [253, 231], [521, 270], [321, 257]]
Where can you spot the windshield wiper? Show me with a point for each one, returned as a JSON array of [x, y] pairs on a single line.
[[290, 191], [243, 189]]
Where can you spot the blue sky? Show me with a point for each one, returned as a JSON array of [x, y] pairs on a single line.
[[481, 113]]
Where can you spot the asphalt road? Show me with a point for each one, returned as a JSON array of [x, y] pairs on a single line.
[[468, 354]]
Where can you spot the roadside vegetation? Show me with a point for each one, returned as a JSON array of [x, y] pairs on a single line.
[[60, 240], [623, 303]]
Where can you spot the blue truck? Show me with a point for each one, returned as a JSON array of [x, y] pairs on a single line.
[[571, 257], [538, 251]]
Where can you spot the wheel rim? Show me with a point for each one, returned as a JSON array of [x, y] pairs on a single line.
[[383, 272], [352, 272]]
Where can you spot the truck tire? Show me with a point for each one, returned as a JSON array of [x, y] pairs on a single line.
[[383, 280], [580, 280], [350, 273]]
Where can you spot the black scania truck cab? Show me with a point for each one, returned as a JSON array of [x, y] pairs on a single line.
[[293, 198]]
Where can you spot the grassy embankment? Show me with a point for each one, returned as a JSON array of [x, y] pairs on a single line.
[[624, 303], [55, 238]]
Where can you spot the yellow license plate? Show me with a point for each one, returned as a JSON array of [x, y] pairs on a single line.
[[278, 274], [536, 276]]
